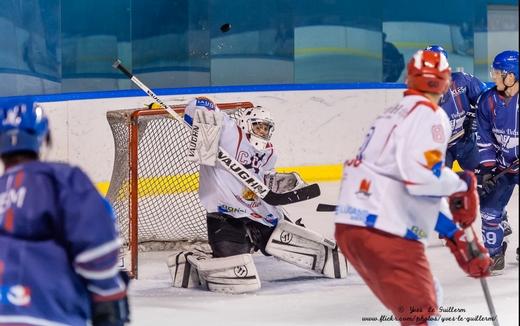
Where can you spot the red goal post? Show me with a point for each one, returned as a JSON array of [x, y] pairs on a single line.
[[153, 189]]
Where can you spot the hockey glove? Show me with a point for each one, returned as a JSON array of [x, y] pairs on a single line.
[[474, 264], [464, 205], [470, 121], [115, 312], [486, 183]]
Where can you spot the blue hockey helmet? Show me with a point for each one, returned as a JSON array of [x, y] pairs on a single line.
[[507, 61], [438, 49], [23, 126]]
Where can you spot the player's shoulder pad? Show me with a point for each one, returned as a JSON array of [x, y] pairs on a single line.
[[415, 100], [67, 177], [487, 93], [459, 76], [463, 77], [424, 105], [76, 182]]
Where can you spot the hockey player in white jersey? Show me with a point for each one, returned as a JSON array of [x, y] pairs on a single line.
[[392, 198], [238, 221]]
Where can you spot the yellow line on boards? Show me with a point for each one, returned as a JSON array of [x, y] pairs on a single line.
[[316, 173], [189, 182]]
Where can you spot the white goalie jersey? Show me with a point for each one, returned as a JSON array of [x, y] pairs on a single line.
[[220, 191], [398, 180]]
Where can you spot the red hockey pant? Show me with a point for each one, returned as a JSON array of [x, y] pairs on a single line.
[[395, 269]]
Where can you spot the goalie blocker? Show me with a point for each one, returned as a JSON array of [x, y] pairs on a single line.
[[237, 274]]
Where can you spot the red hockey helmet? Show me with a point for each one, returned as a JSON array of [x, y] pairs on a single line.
[[429, 72]]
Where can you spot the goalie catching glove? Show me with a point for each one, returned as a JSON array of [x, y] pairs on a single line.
[[204, 138], [283, 182]]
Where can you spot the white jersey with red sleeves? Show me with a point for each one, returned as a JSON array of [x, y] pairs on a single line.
[[398, 179], [219, 190]]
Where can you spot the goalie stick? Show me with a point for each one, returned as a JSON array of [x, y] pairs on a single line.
[[326, 208], [332, 208], [230, 163]]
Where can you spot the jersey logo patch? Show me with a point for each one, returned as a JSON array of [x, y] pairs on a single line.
[[251, 162], [364, 189], [507, 141], [240, 271], [248, 203], [457, 91], [286, 237], [229, 209], [433, 161], [17, 295], [249, 195]]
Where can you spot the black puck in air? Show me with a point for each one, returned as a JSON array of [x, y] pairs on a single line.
[[225, 27]]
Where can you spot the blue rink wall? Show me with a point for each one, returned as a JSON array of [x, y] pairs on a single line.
[[317, 126], [58, 46]]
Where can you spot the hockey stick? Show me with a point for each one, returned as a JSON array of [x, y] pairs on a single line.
[[457, 135], [475, 252], [493, 180], [326, 208], [510, 168], [230, 163]]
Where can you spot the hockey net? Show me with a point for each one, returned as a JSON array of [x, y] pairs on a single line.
[[153, 189]]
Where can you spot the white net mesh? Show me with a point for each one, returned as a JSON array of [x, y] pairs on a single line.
[[168, 207]]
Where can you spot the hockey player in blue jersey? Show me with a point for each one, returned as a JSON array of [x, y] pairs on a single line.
[[58, 242], [459, 103], [497, 116]]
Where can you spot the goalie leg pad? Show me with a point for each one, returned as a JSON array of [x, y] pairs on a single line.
[[182, 273], [234, 274], [307, 249]]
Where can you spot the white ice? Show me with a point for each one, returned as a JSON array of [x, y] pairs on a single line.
[[292, 296]]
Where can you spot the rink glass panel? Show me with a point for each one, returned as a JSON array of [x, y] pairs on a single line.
[[58, 46]]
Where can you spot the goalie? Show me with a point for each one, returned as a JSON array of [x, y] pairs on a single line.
[[239, 222]]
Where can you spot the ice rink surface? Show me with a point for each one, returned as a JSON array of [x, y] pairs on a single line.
[[291, 296]]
